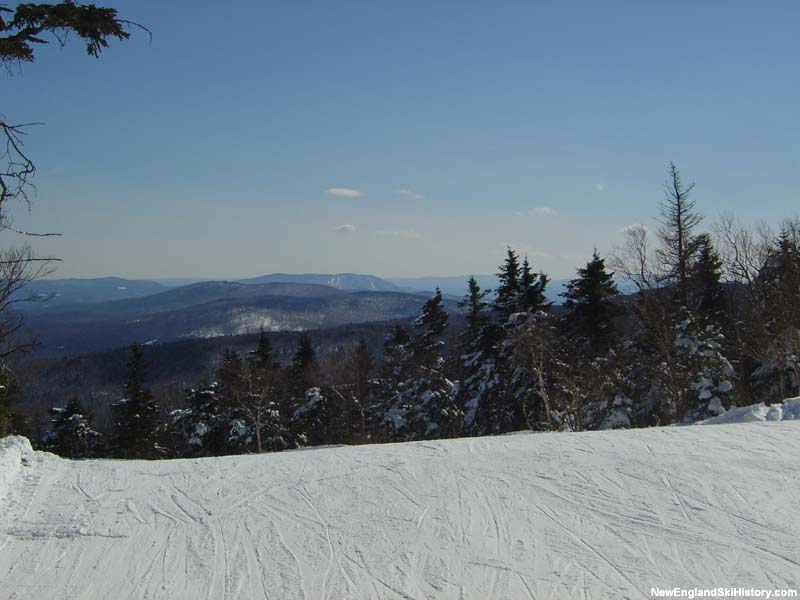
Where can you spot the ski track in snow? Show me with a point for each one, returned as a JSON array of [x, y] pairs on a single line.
[[528, 516]]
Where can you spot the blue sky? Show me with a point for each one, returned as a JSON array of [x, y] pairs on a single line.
[[227, 146]]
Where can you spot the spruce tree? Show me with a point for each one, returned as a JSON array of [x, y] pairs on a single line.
[[383, 417], [200, 429], [303, 364], [475, 306], [304, 357], [507, 299], [262, 357], [136, 414], [708, 298], [590, 304], [707, 375], [531, 289], [70, 434], [232, 385], [426, 399], [430, 325]]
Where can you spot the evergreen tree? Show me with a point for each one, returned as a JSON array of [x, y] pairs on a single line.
[[303, 366], [507, 300], [434, 412], [590, 304], [423, 404], [255, 409], [383, 418], [706, 279], [231, 369], [430, 325], [70, 434], [232, 385], [136, 414], [771, 327], [305, 356], [708, 375], [201, 428], [473, 302], [531, 289], [316, 421], [262, 357], [266, 402]]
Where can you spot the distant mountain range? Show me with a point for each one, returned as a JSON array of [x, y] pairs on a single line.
[[213, 309], [60, 292], [86, 315], [340, 281], [53, 293]]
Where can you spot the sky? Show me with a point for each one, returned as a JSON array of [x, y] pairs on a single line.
[[401, 138]]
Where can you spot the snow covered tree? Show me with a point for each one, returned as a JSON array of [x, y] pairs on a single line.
[[423, 405], [478, 342], [315, 419], [383, 418], [135, 416], [709, 375], [70, 433], [200, 429], [590, 304], [254, 401], [434, 410], [494, 392], [393, 349]]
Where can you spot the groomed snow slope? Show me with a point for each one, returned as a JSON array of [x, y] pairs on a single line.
[[583, 515]]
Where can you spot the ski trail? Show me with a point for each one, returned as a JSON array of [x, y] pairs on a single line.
[[544, 516]]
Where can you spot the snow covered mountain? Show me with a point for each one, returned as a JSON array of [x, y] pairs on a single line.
[[214, 309], [562, 515], [340, 281]]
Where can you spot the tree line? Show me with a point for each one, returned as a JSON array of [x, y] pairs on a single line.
[[713, 323]]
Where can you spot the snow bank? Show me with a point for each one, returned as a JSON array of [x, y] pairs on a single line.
[[14, 452], [788, 410]]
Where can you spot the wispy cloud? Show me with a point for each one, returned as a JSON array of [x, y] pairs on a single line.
[[600, 187], [344, 192], [346, 228], [542, 211], [399, 233], [410, 194]]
